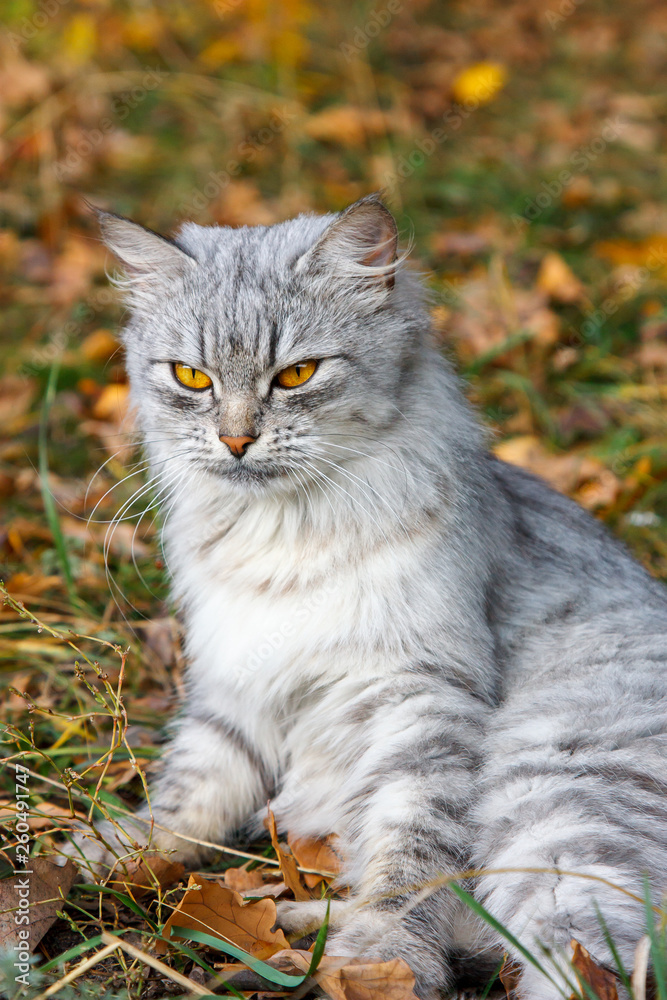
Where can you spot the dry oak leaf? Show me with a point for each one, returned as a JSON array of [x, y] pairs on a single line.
[[44, 887], [288, 864], [214, 909], [318, 854], [601, 981], [142, 877], [343, 979]]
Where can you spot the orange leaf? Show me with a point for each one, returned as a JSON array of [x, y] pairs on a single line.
[[288, 864], [601, 981], [556, 279], [213, 908], [240, 880], [318, 854]]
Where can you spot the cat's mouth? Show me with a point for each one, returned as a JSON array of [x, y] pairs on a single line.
[[246, 474]]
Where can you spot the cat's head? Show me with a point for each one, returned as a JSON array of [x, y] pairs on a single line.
[[261, 354]]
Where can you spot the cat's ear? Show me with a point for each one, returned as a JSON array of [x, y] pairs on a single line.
[[361, 244], [142, 252]]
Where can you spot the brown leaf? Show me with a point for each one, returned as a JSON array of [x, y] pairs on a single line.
[[509, 974], [318, 854], [342, 979], [100, 346], [601, 981], [240, 880], [16, 395], [142, 877], [215, 909], [112, 403], [557, 280], [44, 886], [288, 863]]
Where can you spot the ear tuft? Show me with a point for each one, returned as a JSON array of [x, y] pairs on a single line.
[[361, 243], [142, 252]]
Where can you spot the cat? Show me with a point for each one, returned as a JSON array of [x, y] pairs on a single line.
[[392, 635]]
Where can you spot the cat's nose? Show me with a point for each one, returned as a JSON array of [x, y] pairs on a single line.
[[237, 445]]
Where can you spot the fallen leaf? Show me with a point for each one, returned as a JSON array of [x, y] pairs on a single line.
[[240, 880], [100, 346], [213, 908], [16, 395], [345, 124], [479, 83], [601, 981], [288, 863], [112, 403], [44, 887], [342, 979], [318, 854], [556, 279], [142, 877]]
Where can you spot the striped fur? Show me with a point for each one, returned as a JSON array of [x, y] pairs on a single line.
[[396, 637]]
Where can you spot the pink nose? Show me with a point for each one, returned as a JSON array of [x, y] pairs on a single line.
[[237, 445]]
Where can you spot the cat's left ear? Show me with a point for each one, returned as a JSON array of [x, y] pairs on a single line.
[[361, 244], [142, 253]]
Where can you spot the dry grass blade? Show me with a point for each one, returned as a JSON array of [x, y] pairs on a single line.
[[640, 971]]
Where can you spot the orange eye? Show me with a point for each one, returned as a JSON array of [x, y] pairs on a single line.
[[295, 375], [191, 378]]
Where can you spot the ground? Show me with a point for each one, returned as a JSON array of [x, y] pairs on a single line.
[[521, 147]]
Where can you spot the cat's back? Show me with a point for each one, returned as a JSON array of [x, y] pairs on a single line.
[[566, 583]]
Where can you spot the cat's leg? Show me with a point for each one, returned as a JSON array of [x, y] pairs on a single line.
[[213, 777], [410, 747], [576, 782]]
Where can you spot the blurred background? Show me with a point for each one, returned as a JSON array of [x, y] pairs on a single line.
[[521, 146]]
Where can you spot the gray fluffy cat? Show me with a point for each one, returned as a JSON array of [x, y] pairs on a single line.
[[392, 634]]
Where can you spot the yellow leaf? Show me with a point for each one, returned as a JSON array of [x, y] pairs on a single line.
[[479, 83], [79, 39]]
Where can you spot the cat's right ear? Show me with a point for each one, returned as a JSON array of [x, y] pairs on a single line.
[[142, 253]]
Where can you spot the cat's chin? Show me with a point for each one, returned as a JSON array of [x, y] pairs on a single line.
[[252, 478]]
